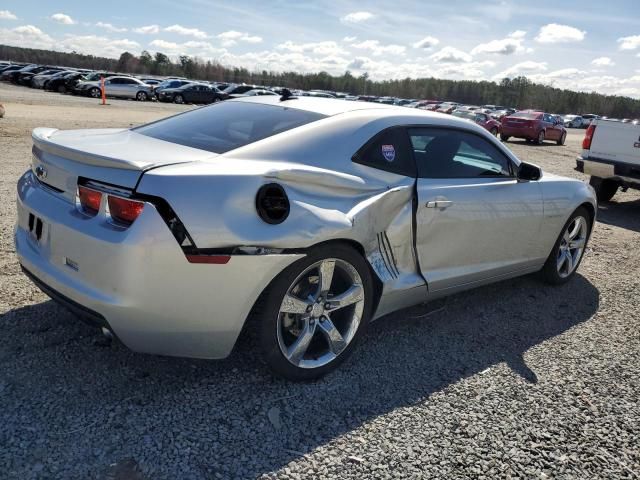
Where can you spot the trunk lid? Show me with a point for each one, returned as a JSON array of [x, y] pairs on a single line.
[[114, 156]]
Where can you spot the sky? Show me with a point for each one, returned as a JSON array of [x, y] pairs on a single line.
[[582, 45]]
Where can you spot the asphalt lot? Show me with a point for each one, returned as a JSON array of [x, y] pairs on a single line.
[[514, 380]]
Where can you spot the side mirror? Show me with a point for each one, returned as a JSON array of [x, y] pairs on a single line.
[[528, 172]]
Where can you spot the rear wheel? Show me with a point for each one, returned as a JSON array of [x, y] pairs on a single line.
[[540, 139], [315, 311], [178, 99], [568, 250], [504, 138], [494, 131], [605, 188], [62, 89]]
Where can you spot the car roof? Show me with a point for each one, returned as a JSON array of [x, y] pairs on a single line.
[[366, 111]]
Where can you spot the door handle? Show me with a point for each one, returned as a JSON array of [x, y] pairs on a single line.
[[439, 204]]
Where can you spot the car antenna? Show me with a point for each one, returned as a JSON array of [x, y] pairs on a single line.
[[287, 95]]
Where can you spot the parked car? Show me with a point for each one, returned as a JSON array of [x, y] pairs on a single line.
[[235, 89], [64, 83], [191, 93], [120, 87], [10, 68], [611, 156], [447, 107], [38, 81], [260, 92], [13, 75], [330, 213], [572, 121], [173, 83], [485, 121], [587, 118], [533, 126]]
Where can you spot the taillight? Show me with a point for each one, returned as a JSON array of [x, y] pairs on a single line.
[[89, 200], [123, 210], [588, 137]]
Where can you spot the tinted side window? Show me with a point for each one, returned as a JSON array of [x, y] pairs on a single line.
[[389, 150], [444, 153]]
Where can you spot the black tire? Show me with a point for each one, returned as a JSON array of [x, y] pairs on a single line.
[[142, 96], [504, 138], [178, 99], [273, 297], [540, 139], [95, 92], [494, 132], [62, 89], [562, 138], [549, 272], [605, 188]]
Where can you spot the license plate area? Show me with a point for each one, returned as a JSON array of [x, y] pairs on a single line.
[[36, 228]]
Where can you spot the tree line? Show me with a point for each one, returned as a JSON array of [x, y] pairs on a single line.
[[519, 92]]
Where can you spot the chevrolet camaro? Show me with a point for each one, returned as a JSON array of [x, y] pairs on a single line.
[[297, 220]]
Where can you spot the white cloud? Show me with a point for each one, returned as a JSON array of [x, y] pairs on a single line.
[[164, 45], [426, 43], [109, 27], [63, 19], [521, 68], [603, 62], [349, 39], [180, 30], [147, 30], [376, 49], [357, 17], [629, 43], [98, 45], [450, 55], [327, 48], [231, 37], [506, 46], [27, 36], [7, 15], [555, 33]]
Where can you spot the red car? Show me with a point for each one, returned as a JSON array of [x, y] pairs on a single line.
[[482, 119], [533, 127]]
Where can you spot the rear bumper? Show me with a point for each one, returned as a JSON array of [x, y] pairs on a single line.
[[519, 132], [625, 173], [138, 281]]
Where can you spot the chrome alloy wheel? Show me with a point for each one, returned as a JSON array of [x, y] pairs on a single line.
[[572, 246], [320, 313]]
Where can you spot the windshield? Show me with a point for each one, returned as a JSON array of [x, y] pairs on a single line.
[[226, 126]]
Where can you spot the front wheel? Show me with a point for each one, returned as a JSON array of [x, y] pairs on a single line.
[[540, 139], [568, 250], [178, 99], [315, 311], [504, 138], [95, 92], [494, 131], [605, 189], [562, 138], [62, 89], [141, 96]]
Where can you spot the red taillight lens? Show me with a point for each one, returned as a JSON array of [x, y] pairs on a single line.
[[89, 199], [588, 136], [124, 210]]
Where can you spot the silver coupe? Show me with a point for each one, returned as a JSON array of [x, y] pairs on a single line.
[[299, 220]]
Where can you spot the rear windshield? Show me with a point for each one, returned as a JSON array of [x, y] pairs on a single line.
[[528, 116], [226, 126]]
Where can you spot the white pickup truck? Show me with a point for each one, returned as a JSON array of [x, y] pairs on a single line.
[[611, 155]]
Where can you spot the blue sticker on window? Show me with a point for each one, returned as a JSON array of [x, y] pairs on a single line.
[[389, 153]]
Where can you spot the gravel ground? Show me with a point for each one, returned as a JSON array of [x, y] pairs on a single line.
[[515, 380]]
